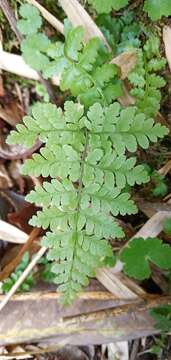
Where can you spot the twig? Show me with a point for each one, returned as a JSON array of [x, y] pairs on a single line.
[[134, 351], [97, 295], [25, 273]]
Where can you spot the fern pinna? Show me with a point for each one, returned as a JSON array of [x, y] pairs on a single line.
[[85, 151]]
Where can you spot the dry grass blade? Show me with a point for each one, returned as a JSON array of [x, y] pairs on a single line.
[[58, 25], [153, 226], [167, 43], [15, 64], [25, 273], [11, 233], [79, 16], [114, 284]]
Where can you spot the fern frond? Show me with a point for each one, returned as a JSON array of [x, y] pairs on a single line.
[[83, 69], [146, 83], [85, 154]]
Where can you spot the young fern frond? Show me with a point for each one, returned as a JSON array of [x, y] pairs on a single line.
[[145, 80], [83, 68], [84, 153]]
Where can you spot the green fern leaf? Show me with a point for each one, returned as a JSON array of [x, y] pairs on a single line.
[[82, 151], [146, 83]]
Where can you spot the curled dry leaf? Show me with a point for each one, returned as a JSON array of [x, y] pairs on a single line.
[[21, 217], [126, 61], [167, 43], [11, 112]]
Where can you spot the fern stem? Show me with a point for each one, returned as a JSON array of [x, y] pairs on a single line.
[[79, 199]]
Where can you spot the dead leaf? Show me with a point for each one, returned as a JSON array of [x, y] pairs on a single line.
[[150, 208], [11, 112], [20, 218], [167, 43], [126, 99], [126, 61], [5, 180], [8, 269]]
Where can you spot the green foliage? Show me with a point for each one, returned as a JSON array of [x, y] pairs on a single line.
[[157, 8], [145, 80], [82, 68], [28, 282], [86, 153], [88, 149], [139, 252], [160, 189], [167, 226], [102, 6], [122, 33], [41, 91], [31, 21], [162, 317]]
